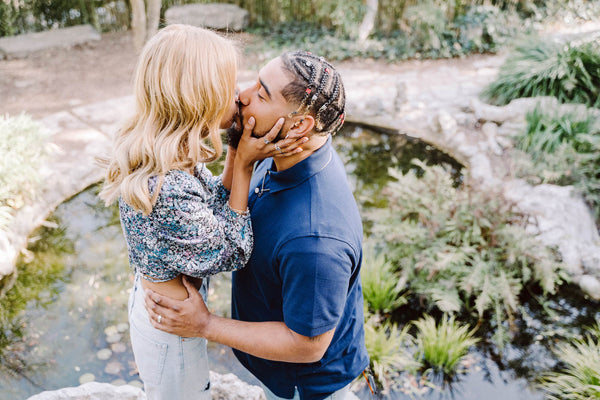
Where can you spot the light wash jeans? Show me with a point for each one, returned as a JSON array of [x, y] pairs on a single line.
[[171, 367], [337, 395]]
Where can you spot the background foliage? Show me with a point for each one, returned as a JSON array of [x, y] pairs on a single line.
[[403, 28], [23, 147]]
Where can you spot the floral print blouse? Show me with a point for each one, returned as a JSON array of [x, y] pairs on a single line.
[[191, 229]]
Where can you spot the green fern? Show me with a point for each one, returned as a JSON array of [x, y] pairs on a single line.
[[459, 249]]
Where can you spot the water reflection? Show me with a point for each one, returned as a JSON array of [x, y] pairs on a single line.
[[66, 315]]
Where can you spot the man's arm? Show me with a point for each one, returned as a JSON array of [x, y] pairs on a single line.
[[269, 340]]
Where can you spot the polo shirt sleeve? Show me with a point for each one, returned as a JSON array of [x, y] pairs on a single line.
[[315, 274]]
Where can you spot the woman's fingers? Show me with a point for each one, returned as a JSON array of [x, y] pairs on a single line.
[[249, 127], [290, 147], [274, 131]]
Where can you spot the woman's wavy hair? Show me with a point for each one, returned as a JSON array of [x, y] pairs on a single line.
[[184, 86]]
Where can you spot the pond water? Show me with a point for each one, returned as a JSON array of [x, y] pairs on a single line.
[[65, 320]]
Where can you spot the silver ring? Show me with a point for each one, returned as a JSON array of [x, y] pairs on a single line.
[[267, 141], [278, 149], [159, 318]]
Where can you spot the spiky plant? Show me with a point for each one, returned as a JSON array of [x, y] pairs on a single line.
[[569, 72], [442, 346], [579, 379], [388, 348], [382, 287], [546, 132]]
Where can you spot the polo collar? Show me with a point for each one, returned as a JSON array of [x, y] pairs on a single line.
[[302, 171]]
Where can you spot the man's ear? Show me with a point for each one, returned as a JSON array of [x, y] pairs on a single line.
[[301, 125]]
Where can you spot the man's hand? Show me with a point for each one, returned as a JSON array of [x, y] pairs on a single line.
[[187, 318]]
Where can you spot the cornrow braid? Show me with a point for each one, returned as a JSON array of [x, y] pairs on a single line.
[[317, 88]]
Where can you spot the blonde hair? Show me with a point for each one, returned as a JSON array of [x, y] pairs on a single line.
[[184, 86]]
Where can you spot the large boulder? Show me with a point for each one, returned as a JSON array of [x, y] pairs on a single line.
[[223, 387], [213, 15]]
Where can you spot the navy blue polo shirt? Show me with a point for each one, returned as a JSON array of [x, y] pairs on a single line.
[[304, 271]]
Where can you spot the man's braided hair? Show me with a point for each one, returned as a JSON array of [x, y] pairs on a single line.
[[317, 88]]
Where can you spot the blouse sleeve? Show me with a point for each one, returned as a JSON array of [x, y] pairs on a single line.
[[195, 239], [219, 195]]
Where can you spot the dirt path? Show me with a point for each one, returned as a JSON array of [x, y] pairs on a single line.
[[59, 79]]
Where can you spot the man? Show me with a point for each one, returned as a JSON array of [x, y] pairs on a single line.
[[297, 310]]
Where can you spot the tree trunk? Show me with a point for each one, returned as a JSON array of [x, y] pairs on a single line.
[[368, 21], [152, 17], [138, 23]]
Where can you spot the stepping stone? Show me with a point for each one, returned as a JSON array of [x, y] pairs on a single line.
[[22, 45]]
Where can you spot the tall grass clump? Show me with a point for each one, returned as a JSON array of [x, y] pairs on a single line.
[[381, 284], [564, 150], [389, 350], [460, 249], [579, 377], [546, 132], [441, 347], [569, 72], [23, 147]]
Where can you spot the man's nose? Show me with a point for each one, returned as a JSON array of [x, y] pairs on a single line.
[[244, 97]]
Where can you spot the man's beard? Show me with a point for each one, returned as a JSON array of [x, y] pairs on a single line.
[[238, 128]]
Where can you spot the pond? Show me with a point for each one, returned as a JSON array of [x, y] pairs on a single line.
[[65, 320]]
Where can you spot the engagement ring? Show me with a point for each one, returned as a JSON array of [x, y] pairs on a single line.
[[267, 141], [159, 319], [278, 149]]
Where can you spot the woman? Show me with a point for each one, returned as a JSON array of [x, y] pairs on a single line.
[[177, 218]]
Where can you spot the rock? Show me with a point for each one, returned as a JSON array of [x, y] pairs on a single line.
[[22, 45], [93, 391], [87, 378], [446, 124], [230, 387], [591, 286], [111, 330], [489, 129], [563, 221], [113, 368], [213, 15], [118, 347], [114, 338], [104, 354], [223, 387]]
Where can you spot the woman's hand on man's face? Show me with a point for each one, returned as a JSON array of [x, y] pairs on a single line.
[[251, 149]]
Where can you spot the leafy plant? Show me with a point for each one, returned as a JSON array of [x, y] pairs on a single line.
[[381, 285], [442, 346], [23, 147], [570, 72], [462, 249], [579, 377]]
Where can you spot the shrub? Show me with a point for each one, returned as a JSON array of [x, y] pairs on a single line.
[[442, 346], [461, 249], [579, 377], [23, 147], [570, 72]]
